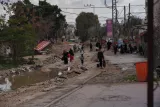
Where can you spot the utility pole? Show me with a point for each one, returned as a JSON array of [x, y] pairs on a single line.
[[124, 20], [129, 15], [114, 18], [124, 14]]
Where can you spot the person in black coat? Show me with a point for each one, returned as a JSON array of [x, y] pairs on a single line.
[[125, 48], [65, 57], [91, 46], [115, 49], [122, 49], [130, 48], [109, 45], [100, 57]]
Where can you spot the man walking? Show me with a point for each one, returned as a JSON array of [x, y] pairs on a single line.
[[100, 58], [91, 46], [115, 48]]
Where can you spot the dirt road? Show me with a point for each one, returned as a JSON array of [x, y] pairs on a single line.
[[48, 92]]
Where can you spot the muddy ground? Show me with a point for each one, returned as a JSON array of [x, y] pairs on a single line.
[[111, 74]]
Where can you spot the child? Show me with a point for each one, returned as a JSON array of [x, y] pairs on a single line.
[[82, 59]]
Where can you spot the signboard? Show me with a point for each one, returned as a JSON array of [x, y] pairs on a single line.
[[109, 28]]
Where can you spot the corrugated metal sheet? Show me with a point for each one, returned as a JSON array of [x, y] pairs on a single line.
[[42, 45]]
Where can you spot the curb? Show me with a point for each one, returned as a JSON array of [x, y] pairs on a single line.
[[74, 90]]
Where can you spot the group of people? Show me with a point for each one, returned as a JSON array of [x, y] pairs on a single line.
[[128, 48], [68, 56]]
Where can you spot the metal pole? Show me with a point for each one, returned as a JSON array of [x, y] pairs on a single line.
[[150, 97], [129, 15], [129, 12], [124, 20], [113, 19], [124, 14]]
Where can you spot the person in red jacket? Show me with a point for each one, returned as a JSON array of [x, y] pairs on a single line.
[[71, 55]]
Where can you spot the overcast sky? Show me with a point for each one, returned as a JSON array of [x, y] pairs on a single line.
[[101, 12]]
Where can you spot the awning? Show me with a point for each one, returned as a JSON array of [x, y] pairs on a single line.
[[42, 45]]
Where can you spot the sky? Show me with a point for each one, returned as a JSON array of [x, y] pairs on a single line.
[[103, 13]]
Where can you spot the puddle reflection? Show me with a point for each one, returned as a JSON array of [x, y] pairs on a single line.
[[6, 86], [17, 81]]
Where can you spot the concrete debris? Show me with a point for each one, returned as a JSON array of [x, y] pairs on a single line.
[[77, 72], [59, 73], [84, 68], [39, 63], [124, 69], [51, 60]]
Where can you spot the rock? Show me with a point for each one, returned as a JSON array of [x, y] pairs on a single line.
[[28, 68], [48, 89], [64, 77], [60, 73], [68, 72], [39, 63], [17, 72], [77, 72], [84, 69], [12, 71]]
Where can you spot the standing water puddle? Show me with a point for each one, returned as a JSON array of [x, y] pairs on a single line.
[[14, 82]]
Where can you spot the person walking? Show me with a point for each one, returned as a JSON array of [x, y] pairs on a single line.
[[97, 46], [130, 48], [74, 47], [115, 48], [82, 59], [125, 48], [108, 45], [71, 55], [91, 46], [100, 57], [65, 57]]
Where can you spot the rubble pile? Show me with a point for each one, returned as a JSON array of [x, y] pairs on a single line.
[[17, 71], [51, 60]]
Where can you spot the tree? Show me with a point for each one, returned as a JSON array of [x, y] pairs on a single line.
[[84, 21], [18, 32], [45, 18], [20, 37], [26, 21], [51, 15]]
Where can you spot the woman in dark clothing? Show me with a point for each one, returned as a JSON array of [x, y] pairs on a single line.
[[65, 57], [109, 45], [91, 46], [130, 48], [135, 48], [115, 49], [100, 57], [122, 50], [125, 48]]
